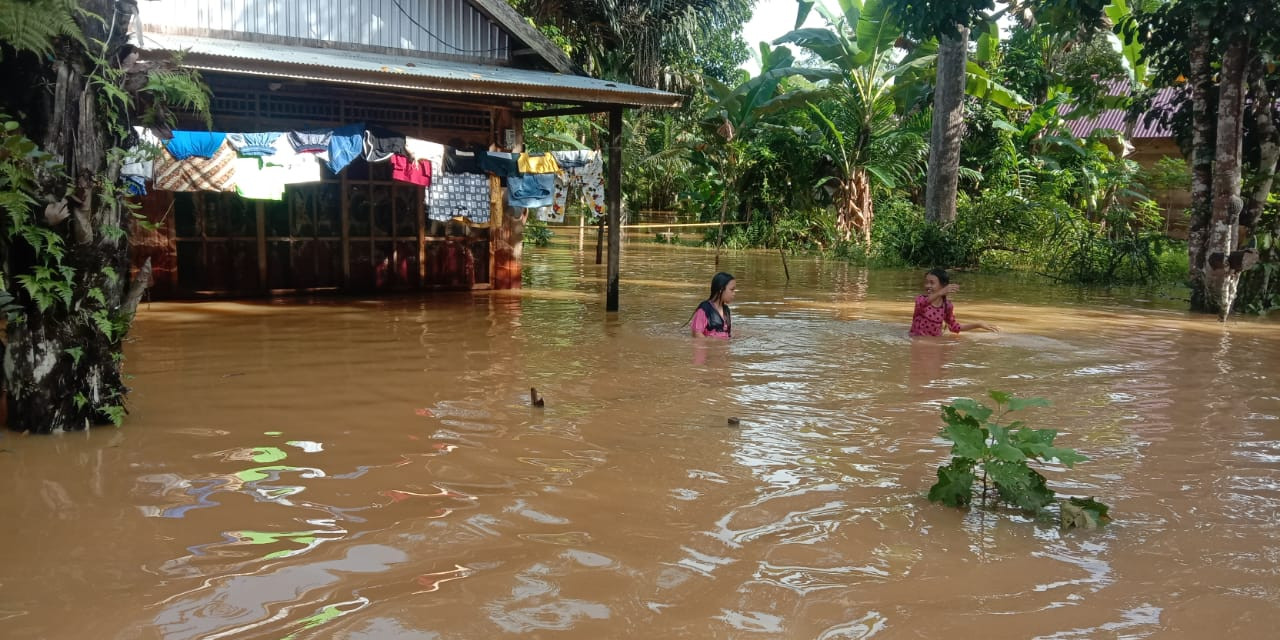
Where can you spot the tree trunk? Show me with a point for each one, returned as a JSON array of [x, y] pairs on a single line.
[[1201, 166], [1223, 232], [863, 205], [724, 206], [730, 169], [1264, 104], [948, 128], [63, 361], [854, 210], [846, 211]]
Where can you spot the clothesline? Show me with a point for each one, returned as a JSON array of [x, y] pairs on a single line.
[[456, 182]]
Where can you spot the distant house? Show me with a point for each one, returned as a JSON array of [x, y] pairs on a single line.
[[1143, 143], [460, 73]]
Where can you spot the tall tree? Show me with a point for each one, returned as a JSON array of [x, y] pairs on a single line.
[[638, 40], [950, 21], [737, 113], [66, 253], [853, 116], [1215, 45]]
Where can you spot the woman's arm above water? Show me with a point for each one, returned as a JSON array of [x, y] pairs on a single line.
[[970, 326], [956, 326]]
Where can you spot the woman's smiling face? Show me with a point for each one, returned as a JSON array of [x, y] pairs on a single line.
[[931, 284]]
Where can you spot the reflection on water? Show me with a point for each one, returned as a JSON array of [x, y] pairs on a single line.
[[372, 469]]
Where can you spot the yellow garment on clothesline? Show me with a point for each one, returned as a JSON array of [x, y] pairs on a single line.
[[540, 163]]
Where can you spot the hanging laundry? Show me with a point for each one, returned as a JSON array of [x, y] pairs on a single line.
[[576, 158], [582, 169], [294, 167], [346, 144], [134, 185], [196, 173], [531, 190], [254, 144], [457, 161], [406, 169], [381, 143], [187, 144], [432, 152], [257, 180], [311, 140], [503, 165], [139, 161], [538, 163], [459, 195]]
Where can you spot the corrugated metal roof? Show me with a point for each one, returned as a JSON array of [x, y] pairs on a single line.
[[420, 27], [1115, 118], [400, 72]]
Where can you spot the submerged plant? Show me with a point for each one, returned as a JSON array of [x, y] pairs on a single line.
[[1003, 452], [537, 232]]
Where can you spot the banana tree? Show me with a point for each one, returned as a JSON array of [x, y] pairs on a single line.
[[886, 149], [738, 113], [853, 117]]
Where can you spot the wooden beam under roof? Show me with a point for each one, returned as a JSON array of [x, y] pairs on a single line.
[[502, 13], [567, 111]]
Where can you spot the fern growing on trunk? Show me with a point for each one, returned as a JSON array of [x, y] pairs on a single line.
[[65, 269]]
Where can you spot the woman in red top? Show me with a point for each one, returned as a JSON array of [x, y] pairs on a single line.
[[934, 310], [713, 318]]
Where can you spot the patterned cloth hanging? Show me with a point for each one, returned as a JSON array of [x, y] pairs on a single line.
[[195, 173], [582, 169], [459, 195]]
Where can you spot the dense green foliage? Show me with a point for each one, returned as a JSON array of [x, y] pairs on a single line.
[[823, 149], [659, 43], [1001, 452]]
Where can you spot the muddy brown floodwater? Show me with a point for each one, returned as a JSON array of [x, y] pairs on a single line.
[[372, 468]]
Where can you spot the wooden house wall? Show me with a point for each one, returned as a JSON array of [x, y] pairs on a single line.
[[1173, 202]]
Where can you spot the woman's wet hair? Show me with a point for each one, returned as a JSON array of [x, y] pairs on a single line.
[[718, 283], [941, 275]]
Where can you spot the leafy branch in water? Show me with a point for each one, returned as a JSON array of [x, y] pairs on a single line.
[[1002, 452], [538, 232]]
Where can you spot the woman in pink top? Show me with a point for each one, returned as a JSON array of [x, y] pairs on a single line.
[[934, 310], [713, 318]]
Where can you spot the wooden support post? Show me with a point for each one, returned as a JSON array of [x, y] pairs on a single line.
[[260, 215], [614, 197], [346, 231], [600, 241], [421, 211]]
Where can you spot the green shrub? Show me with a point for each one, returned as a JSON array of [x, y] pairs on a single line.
[[537, 232], [1173, 263], [1127, 247], [902, 236], [1002, 452]]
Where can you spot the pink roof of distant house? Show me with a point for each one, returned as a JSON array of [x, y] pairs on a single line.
[[1115, 118]]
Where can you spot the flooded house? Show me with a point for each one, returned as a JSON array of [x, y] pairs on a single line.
[[457, 75], [1146, 140]]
